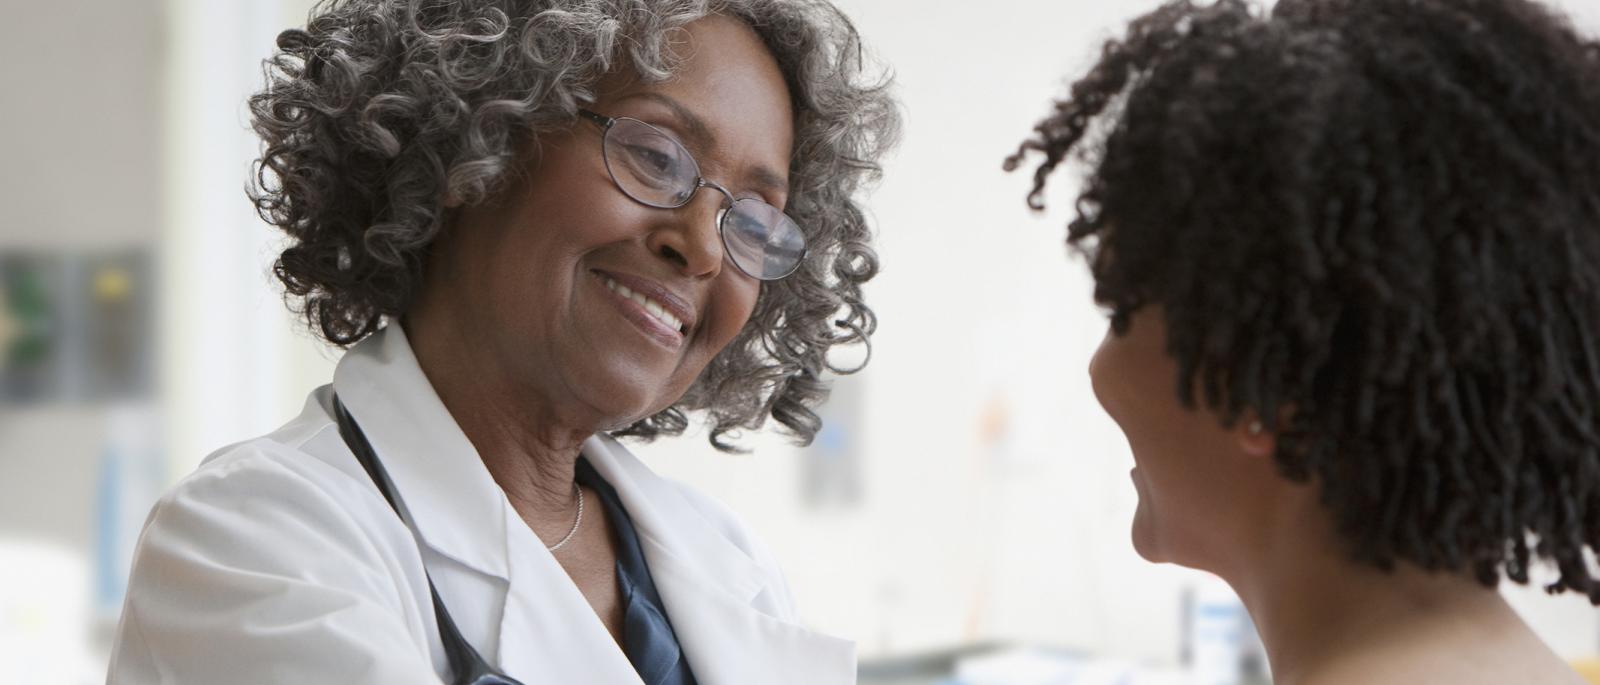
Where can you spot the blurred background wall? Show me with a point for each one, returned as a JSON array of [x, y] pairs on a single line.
[[968, 491]]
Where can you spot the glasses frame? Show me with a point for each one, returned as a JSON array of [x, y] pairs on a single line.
[[606, 123]]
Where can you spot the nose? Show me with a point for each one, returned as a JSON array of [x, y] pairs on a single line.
[[688, 236]]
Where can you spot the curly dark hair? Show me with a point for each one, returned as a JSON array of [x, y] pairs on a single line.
[[1374, 224], [380, 113]]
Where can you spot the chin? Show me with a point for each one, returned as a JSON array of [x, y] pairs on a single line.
[[619, 418], [621, 409], [617, 395], [1145, 538], [622, 423]]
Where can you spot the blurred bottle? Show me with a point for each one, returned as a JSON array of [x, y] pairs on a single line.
[[1220, 644], [132, 476]]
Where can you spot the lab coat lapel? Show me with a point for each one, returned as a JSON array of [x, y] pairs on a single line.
[[711, 587], [549, 633], [452, 501]]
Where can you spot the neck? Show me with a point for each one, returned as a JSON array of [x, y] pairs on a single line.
[[1318, 612], [529, 447]]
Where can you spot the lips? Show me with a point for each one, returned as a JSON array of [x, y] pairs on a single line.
[[664, 309], [652, 307]]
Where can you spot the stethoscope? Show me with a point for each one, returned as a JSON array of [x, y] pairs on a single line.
[[467, 666]]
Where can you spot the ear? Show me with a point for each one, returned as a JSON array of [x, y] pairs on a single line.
[[1253, 438]]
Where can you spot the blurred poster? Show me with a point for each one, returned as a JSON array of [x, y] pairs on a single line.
[[76, 327], [117, 294], [31, 292]]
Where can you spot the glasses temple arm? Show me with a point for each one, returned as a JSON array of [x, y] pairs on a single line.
[[600, 120]]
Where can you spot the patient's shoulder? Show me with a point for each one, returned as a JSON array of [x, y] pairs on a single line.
[[1441, 662]]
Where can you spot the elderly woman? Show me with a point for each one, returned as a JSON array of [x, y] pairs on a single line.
[[540, 226], [1351, 254]]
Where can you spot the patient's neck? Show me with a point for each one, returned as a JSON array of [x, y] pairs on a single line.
[[1316, 617], [1325, 618]]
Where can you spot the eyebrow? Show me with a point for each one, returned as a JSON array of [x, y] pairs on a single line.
[[763, 175]]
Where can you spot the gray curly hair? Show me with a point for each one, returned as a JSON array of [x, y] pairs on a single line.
[[381, 113]]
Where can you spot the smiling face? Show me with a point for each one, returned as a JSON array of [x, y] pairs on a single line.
[[596, 306], [1206, 491]]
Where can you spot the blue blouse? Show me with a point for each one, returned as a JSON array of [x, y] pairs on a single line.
[[647, 636]]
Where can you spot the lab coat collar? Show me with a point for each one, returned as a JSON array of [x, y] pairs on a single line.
[[711, 587], [452, 501]]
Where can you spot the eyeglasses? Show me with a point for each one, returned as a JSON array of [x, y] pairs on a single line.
[[655, 170]]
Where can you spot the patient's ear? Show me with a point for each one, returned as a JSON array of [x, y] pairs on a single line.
[[1253, 438]]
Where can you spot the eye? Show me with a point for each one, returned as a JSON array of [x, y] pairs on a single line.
[[657, 166], [751, 229], [653, 159]]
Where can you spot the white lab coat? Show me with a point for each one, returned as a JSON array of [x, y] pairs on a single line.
[[277, 561]]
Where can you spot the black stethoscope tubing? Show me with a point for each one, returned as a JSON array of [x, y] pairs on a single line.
[[467, 666]]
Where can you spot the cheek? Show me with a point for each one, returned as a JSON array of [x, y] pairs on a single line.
[[1108, 380], [734, 302], [728, 311]]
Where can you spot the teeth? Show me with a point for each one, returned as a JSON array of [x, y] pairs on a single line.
[[656, 310]]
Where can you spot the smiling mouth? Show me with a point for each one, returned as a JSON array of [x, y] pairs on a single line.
[[652, 307]]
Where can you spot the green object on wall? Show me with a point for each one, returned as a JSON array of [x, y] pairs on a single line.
[[27, 318]]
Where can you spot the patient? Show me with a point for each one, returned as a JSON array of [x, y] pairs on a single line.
[[1350, 250]]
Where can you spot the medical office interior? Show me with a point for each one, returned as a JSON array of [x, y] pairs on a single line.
[[964, 517]]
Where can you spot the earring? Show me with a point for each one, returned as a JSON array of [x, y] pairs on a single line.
[[1255, 428]]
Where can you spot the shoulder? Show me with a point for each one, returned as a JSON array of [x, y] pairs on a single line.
[[285, 502], [779, 598], [266, 537], [302, 466], [1461, 654], [266, 505], [304, 463], [724, 520]]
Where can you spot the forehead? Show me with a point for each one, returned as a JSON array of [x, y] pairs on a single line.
[[1137, 359], [727, 97]]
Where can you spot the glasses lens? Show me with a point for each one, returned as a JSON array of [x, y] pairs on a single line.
[[762, 241], [649, 165]]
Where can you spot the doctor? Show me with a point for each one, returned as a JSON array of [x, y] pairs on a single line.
[[538, 231]]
